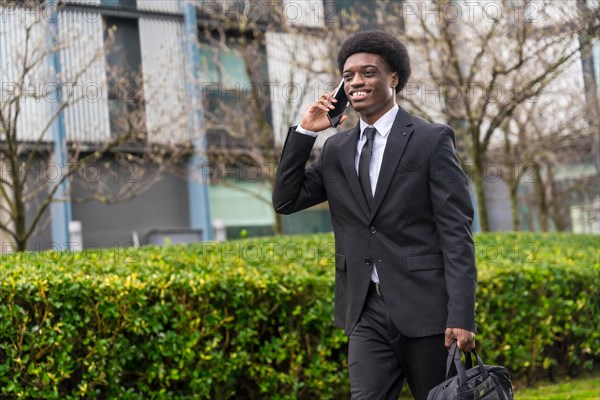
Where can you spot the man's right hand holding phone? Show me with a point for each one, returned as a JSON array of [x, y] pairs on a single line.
[[315, 118]]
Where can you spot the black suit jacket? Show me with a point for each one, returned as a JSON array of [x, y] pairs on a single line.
[[418, 234]]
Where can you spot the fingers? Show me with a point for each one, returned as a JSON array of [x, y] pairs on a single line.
[[466, 343], [449, 337], [464, 339], [325, 102], [315, 118]]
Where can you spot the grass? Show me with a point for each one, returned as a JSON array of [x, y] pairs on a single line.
[[586, 388]]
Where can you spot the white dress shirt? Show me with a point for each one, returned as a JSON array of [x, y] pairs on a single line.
[[383, 126]]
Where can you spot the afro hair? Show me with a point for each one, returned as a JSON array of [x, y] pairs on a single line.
[[384, 45]]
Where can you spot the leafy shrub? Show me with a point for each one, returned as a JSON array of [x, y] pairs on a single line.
[[253, 318], [537, 302]]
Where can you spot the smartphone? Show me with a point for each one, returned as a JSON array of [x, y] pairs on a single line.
[[340, 107]]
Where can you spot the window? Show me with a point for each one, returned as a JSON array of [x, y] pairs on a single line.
[[124, 76], [223, 78], [124, 4], [224, 65], [367, 14], [231, 89]]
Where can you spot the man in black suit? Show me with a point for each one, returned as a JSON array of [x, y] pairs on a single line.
[[405, 267]]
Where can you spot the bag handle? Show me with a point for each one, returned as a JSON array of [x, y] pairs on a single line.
[[450, 361], [454, 359]]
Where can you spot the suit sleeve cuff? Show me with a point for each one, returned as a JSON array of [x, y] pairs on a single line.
[[303, 131]]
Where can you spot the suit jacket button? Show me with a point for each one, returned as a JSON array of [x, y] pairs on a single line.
[[372, 229], [368, 262]]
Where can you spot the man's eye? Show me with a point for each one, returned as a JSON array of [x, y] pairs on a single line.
[[347, 77], [368, 73]]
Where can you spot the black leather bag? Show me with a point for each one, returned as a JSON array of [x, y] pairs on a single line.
[[485, 382]]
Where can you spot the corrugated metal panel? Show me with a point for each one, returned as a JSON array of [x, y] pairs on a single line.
[[163, 6], [84, 76], [166, 6], [308, 13], [86, 2], [35, 104], [167, 112]]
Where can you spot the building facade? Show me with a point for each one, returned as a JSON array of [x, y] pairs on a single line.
[[210, 88], [120, 66]]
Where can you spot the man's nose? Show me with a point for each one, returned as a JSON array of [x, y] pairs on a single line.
[[357, 80]]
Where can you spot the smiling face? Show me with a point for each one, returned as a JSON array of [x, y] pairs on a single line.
[[369, 84]]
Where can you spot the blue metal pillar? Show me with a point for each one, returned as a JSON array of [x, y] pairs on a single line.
[[197, 165], [60, 209]]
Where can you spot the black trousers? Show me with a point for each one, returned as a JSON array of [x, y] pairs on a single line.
[[380, 359]]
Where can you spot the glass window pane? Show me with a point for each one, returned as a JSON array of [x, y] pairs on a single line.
[[226, 201], [234, 68], [208, 68], [222, 65]]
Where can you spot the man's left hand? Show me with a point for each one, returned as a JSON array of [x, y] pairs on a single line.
[[465, 338]]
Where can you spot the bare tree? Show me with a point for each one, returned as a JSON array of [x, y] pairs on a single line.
[[480, 62], [565, 190], [246, 112], [475, 63], [489, 64], [35, 97], [533, 144]]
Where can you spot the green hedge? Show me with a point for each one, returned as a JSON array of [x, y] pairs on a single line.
[[537, 302], [252, 319]]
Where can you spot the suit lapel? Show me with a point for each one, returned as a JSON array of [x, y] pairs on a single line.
[[347, 158], [394, 149]]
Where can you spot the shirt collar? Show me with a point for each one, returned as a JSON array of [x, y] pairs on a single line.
[[384, 123]]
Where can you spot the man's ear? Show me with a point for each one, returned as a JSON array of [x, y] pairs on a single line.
[[394, 79]]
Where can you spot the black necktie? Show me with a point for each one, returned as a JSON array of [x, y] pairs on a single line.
[[363, 164]]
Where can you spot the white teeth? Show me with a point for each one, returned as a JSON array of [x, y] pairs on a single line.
[[359, 94]]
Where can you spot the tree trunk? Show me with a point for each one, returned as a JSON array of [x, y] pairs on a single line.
[[480, 191], [19, 211], [21, 245], [19, 222], [540, 190], [514, 203], [557, 213]]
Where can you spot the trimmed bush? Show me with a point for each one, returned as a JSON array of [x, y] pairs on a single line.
[[253, 318], [537, 302]]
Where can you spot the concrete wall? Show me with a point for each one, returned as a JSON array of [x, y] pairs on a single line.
[[164, 205]]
